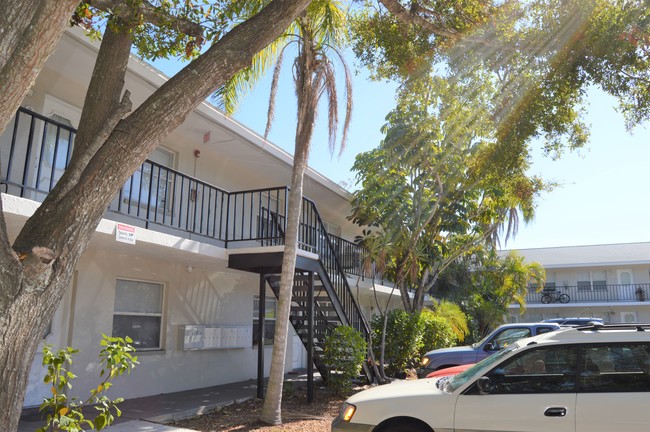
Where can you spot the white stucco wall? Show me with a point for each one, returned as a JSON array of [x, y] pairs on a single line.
[[203, 296]]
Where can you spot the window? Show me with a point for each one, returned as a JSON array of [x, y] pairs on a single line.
[[148, 176], [594, 280], [138, 313], [616, 368], [332, 229], [55, 153], [544, 370], [269, 320], [508, 336]]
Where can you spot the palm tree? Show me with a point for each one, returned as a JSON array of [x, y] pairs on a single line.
[[318, 31]]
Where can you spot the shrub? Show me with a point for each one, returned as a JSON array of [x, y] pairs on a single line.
[[403, 340], [115, 358], [436, 331], [408, 337], [344, 354]]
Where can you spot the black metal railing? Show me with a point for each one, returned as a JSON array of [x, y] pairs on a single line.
[[36, 151], [329, 256], [159, 195], [594, 294]]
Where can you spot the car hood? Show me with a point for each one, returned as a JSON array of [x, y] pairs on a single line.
[[397, 390], [411, 398], [456, 350]]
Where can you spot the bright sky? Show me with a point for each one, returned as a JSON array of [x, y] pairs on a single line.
[[604, 197]]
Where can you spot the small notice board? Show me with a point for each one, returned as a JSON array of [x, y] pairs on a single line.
[[125, 233]]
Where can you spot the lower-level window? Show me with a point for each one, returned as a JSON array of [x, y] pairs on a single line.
[[269, 320], [138, 313]]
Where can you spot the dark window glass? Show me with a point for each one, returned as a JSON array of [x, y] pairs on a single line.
[[543, 370], [269, 320], [615, 368]]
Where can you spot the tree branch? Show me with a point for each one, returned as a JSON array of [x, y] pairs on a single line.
[[137, 135], [150, 13], [26, 42], [408, 17]]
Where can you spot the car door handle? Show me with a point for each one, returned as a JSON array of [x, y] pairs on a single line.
[[555, 412]]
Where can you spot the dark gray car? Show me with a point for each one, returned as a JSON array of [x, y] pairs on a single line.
[[498, 339]]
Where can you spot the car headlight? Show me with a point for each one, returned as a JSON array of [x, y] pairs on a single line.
[[425, 361], [347, 411]]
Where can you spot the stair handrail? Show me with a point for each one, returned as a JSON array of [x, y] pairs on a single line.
[[347, 292]]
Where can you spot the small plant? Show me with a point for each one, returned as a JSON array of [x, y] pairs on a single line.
[[115, 358], [344, 354]]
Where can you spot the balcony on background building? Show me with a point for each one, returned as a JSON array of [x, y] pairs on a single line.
[[596, 293]]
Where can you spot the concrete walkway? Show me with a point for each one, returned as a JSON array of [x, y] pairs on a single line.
[[148, 414]]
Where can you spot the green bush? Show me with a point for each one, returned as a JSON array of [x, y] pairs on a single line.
[[344, 353], [437, 332], [408, 337], [115, 358], [403, 340]]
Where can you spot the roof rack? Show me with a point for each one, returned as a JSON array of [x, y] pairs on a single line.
[[600, 327]]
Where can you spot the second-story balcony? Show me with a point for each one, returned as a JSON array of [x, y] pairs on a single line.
[[35, 151], [590, 294]]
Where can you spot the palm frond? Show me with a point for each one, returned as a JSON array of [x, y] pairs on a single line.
[[227, 97], [270, 117]]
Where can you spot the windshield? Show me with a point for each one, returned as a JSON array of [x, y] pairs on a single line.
[[450, 384]]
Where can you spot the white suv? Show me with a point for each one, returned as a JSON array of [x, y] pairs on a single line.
[[585, 379]]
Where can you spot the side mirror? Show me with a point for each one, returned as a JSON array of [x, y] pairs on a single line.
[[484, 385], [490, 346]]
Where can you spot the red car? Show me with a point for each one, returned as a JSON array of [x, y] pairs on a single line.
[[454, 370]]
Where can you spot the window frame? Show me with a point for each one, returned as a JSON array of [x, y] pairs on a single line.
[[592, 283], [160, 315], [269, 321]]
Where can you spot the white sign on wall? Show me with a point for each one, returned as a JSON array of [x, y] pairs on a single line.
[[125, 233]]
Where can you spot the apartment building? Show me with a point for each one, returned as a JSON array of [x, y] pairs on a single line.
[[609, 281], [187, 258]]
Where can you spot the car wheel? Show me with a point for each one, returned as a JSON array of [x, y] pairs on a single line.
[[405, 426]]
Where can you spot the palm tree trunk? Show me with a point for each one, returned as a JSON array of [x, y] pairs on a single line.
[[307, 100]]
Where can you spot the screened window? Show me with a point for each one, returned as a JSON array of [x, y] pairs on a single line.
[[138, 312], [269, 320]]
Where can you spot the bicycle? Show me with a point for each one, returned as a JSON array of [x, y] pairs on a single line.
[[553, 297]]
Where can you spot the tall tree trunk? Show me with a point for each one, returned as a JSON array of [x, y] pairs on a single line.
[[29, 31], [36, 270], [306, 91]]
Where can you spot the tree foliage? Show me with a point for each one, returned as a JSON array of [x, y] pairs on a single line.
[[539, 55], [437, 186], [486, 284]]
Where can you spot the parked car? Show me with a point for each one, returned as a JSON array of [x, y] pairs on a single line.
[[594, 378], [575, 322], [498, 339], [450, 371]]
